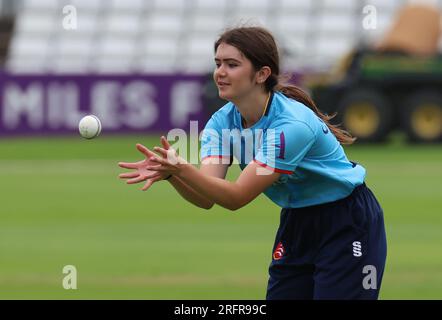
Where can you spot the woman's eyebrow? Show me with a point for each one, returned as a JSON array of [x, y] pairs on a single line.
[[227, 60]]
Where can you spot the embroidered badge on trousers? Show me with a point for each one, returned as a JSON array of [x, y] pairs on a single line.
[[279, 251]]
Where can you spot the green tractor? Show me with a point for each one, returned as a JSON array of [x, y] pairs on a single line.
[[378, 92]]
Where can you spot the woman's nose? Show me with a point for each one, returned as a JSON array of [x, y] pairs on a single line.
[[220, 71]]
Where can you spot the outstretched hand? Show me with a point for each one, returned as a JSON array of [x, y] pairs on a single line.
[[141, 169], [169, 163]]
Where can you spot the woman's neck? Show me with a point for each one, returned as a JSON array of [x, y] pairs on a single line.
[[252, 107]]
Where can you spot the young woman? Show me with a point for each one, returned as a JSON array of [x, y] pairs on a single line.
[[331, 240]]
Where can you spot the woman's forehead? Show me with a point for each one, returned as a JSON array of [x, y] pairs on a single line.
[[227, 51]]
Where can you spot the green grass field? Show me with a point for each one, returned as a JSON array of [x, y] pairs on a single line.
[[62, 204]]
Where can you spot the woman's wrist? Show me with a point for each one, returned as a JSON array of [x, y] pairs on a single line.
[[185, 171], [181, 167]]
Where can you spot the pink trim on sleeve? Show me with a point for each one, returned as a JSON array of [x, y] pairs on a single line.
[[271, 168]]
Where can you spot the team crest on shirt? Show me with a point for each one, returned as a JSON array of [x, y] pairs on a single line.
[[279, 252]]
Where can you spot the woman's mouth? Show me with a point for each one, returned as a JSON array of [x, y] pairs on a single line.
[[222, 84]]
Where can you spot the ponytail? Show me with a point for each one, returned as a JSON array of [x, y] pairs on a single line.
[[298, 94]]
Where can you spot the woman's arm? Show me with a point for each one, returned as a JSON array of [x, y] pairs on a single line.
[[141, 173], [190, 194], [231, 195], [193, 196]]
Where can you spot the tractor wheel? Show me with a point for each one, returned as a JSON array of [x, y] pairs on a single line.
[[422, 117], [366, 113]]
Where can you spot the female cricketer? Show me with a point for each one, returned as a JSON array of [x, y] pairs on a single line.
[[331, 241]]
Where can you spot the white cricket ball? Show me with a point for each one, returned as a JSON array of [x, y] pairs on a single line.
[[89, 127]]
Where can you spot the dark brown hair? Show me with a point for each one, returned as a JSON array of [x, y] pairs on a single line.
[[258, 45]]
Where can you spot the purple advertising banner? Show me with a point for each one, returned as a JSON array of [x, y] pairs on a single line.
[[46, 104]]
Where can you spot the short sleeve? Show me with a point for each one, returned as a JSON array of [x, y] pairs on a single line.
[[283, 147], [214, 144]]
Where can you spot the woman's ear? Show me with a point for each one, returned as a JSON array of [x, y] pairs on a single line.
[[263, 74]]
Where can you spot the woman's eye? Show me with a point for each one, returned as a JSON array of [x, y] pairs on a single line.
[[232, 65]]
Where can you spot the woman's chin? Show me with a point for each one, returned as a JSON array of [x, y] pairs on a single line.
[[223, 95]]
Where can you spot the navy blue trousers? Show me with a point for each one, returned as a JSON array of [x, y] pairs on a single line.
[[331, 251]]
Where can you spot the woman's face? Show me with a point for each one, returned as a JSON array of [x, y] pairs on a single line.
[[234, 73]]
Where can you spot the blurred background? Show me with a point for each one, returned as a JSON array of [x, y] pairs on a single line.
[[144, 68]]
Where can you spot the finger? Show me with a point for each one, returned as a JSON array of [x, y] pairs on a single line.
[[128, 175], [161, 151], [129, 165], [150, 182], [136, 180], [164, 151], [159, 160], [145, 151], [157, 168], [165, 143], [147, 184], [152, 175]]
